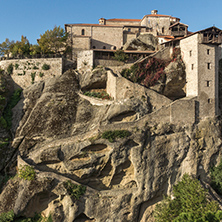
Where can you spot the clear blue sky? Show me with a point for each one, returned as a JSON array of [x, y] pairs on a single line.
[[33, 17]]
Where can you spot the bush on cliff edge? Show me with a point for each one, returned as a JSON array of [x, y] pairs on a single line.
[[189, 203]]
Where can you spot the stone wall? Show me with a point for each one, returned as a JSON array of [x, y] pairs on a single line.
[[107, 37], [77, 30], [208, 79], [120, 88], [122, 22], [183, 110], [28, 71], [202, 62], [107, 63], [163, 54], [180, 111], [81, 43], [95, 36], [111, 85], [129, 36], [96, 101], [189, 51], [85, 60], [163, 22]]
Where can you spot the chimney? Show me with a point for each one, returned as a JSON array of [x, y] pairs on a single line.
[[154, 12], [102, 21]]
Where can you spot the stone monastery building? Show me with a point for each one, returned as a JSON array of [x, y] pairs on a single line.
[[114, 33], [201, 50]]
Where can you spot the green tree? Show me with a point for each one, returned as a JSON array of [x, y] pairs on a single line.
[[5, 47], [216, 178], [21, 47], [120, 56], [189, 204], [53, 41], [35, 50]]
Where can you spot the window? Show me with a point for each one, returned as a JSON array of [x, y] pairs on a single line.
[[83, 31], [208, 51], [209, 100], [163, 30], [208, 65], [190, 52], [94, 47], [104, 47], [129, 29], [192, 66], [208, 83]]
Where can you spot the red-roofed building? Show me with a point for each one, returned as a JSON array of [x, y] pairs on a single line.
[[114, 33], [158, 24]]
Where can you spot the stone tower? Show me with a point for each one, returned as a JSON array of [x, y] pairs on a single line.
[[201, 52]]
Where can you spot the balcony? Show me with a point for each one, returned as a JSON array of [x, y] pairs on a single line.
[[214, 39], [178, 33]]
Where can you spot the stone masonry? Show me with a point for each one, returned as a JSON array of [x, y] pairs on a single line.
[[28, 71]]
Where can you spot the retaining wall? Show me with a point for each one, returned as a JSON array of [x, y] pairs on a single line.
[[164, 110], [27, 71]]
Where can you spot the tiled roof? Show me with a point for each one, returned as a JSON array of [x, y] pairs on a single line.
[[124, 20], [158, 15], [193, 33], [81, 24], [177, 24], [166, 36]]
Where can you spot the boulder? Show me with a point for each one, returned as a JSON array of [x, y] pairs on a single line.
[[144, 42], [95, 79], [175, 79]]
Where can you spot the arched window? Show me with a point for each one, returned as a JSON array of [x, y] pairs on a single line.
[[104, 47], [94, 47], [83, 31]]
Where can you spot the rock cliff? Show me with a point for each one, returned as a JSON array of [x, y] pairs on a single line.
[[61, 135], [142, 43]]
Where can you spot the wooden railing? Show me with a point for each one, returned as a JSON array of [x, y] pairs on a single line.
[[178, 33], [214, 39]]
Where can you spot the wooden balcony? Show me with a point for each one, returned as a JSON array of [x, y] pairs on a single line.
[[215, 39], [211, 35], [179, 33]]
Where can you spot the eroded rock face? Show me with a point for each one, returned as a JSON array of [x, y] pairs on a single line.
[[175, 79], [60, 136], [94, 80], [142, 43]]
